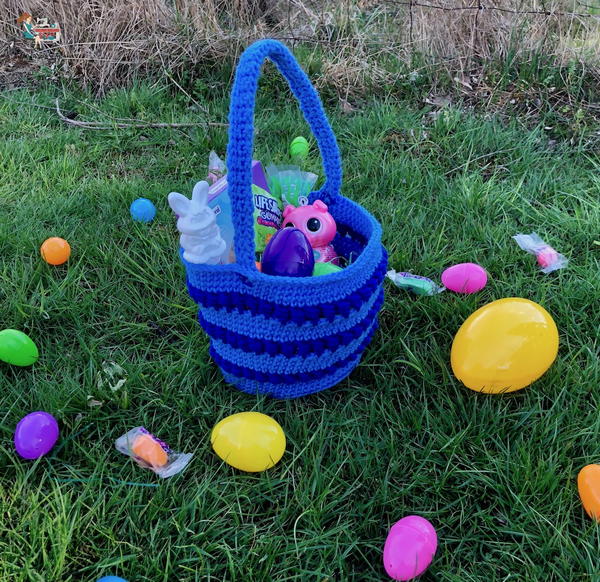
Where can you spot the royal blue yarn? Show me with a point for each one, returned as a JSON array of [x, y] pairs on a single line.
[[287, 336], [299, 347], [260, 376], [301, 388], [241, 136], [289, 362], [243, 302], [260, 327]]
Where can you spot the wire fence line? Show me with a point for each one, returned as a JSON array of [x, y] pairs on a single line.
[[106, 44], [480, 6], [485, 29]]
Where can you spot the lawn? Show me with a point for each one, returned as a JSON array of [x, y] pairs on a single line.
[[496, 475]]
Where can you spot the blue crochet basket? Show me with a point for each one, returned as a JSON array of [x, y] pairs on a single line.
[[288, 336]]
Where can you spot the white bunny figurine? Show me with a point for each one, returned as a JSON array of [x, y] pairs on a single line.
[[200, 236]]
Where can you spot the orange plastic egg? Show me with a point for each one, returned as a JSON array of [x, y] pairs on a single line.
[[147, 449], [588, 483], [55, 250]]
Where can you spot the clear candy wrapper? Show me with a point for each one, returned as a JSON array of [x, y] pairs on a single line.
[[548, 259], [415, 283], [152, 453], [290, 184], [216, 167]]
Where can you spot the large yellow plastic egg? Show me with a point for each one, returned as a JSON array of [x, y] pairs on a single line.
[[249, 441], [504, 346]]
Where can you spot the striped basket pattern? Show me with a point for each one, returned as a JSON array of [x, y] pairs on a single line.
[[288, 336]]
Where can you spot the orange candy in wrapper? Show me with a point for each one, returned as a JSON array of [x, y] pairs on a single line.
[[152, 453]]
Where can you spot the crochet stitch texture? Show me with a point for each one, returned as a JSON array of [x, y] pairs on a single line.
[[288, 336]]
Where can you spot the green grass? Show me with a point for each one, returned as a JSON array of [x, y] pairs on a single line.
[[496, 475]]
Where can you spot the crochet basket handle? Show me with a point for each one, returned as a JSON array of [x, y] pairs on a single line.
[[241, 138]]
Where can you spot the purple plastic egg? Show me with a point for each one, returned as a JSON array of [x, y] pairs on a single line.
[[36, 434], [409, 548], [288, 254], [464, 278]]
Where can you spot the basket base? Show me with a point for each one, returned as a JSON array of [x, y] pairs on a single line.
[[286, 391]]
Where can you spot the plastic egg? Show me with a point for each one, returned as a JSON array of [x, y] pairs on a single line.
[[17, 348], [149, 450], [288, 254], [142, 210], [111, 579], [588, 483], [504, 346], [299, 148], [464, 278], [55, 250], [35, 434], [325, 269], [249, 441], [409, 548]]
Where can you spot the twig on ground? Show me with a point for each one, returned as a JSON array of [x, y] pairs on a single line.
[[102, 126], [25, 102]]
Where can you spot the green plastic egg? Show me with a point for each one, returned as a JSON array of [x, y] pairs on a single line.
[[325, 269], [299, 148], [17, 348]]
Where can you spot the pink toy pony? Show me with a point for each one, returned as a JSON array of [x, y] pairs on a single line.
[[318, 226]]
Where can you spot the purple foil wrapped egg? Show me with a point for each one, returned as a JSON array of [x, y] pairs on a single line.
[[288, 254], [35, 435]]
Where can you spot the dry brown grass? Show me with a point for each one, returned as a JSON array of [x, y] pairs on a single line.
[[107, 42]]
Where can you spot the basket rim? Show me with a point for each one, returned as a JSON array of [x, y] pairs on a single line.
[[253, 274]]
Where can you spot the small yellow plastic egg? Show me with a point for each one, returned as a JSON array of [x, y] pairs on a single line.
[[249, 441]]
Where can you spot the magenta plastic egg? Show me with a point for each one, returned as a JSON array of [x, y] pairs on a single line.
[[464, 278], [288, 254], [36, 434], [409, 548]]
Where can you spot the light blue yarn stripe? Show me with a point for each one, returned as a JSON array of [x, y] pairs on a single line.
[[259, 326], [279, 364], [291, 390]]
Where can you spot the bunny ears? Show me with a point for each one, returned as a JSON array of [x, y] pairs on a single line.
[[182, 205]]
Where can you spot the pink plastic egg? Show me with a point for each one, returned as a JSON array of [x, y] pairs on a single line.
[[409, 548], [464, 278]]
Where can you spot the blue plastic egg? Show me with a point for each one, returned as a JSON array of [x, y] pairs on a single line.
[[112, 579], [142, 210]]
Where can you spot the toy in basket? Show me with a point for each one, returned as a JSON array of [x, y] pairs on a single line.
[[200, 236], [318, 225], [288, 336]]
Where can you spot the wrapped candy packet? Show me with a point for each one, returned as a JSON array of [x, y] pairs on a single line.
[[267, 211], [151, 453], [290, 184], [547, 258], [216, 167], [415, 283]]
